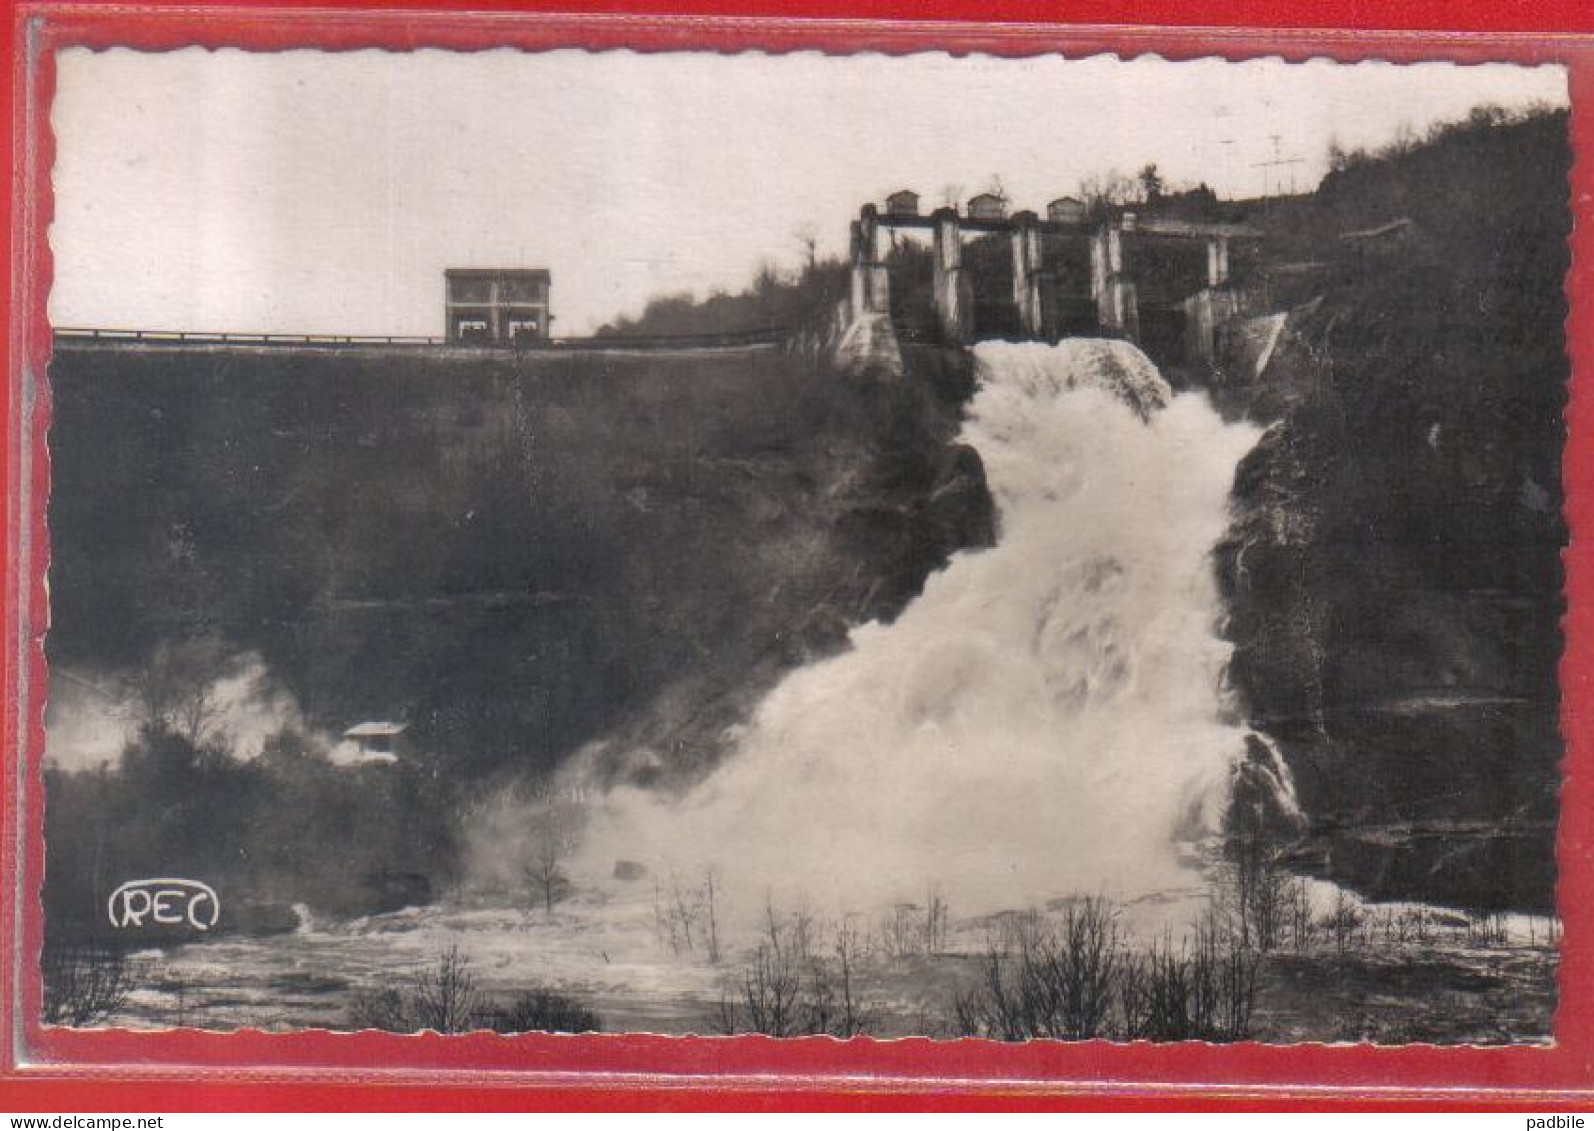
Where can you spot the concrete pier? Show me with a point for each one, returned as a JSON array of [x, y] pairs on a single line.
[[1205, 313], [1217, 261], [1116, 305], [867, 341], [1026, 272], [954, 293], [870, 283], [1048, 296]]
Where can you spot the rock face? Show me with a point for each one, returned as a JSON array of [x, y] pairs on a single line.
[[1393, 569]]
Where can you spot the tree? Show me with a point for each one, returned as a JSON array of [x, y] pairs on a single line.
[[1100, 192], [175, 690], [806, 236], [852, 1015], [443, 997], [1339, 158], [446, 998], [1057, 981], [555, 832], [711, 925], [766, 281], [1151, 183]]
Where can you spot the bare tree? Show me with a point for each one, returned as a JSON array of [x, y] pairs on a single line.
[[771, 988], [443, 997], [800, 930], [175, 689], [1057, 981], [1103, 191], [554, 833], [687, 913], [1074, 980], [446, 997], [935, 921], [1259, 891], [711, 913], [806, 237], [1203, 990], [788, 989], [899, 931], [1343, 922], [1301, 924], [853, 1017]]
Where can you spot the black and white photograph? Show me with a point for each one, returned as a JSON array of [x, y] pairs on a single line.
[[808, 544]]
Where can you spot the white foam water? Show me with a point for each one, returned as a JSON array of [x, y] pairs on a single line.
[[1046, 718]]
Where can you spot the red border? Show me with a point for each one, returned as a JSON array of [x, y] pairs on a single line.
[[81, 1071]]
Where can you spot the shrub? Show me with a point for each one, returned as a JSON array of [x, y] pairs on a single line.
[[543, 1011], [1204, 991], [1344, 923], [443, 997], [85, 984], [386, 1010], [1075, 980], [1059, 981], [446, 998]]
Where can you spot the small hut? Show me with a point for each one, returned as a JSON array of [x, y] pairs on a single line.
[[903, 202], [372, 744], [987, 206]]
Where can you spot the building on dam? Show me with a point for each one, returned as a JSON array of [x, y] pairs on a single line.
[[497, 305]]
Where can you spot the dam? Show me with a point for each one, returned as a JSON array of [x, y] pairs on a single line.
[[1166, 282]]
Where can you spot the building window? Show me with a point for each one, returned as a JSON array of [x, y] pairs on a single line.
[[524, 330], [472, 330], [470, 290]]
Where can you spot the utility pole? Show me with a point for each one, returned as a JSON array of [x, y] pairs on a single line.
[[1278, 162]]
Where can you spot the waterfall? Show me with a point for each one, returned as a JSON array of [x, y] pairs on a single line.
[[1046, 718]]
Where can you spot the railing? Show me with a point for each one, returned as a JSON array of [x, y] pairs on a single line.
[[767, 336], [735, 340], [203, 336]]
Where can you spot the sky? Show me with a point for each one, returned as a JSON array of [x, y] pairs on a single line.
[[307, 192]]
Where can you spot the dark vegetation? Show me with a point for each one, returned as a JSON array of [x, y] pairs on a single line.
[[446, 998], [85, 983], [1246, 969], [287, 827], [517, 554], [512, 553], [1264, 963], [774, 301], [1393, 572]]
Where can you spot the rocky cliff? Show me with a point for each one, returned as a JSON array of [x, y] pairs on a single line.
[[1393, 569]]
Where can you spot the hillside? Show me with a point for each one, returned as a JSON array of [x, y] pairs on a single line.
[[1394, 570], [514, 552]]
